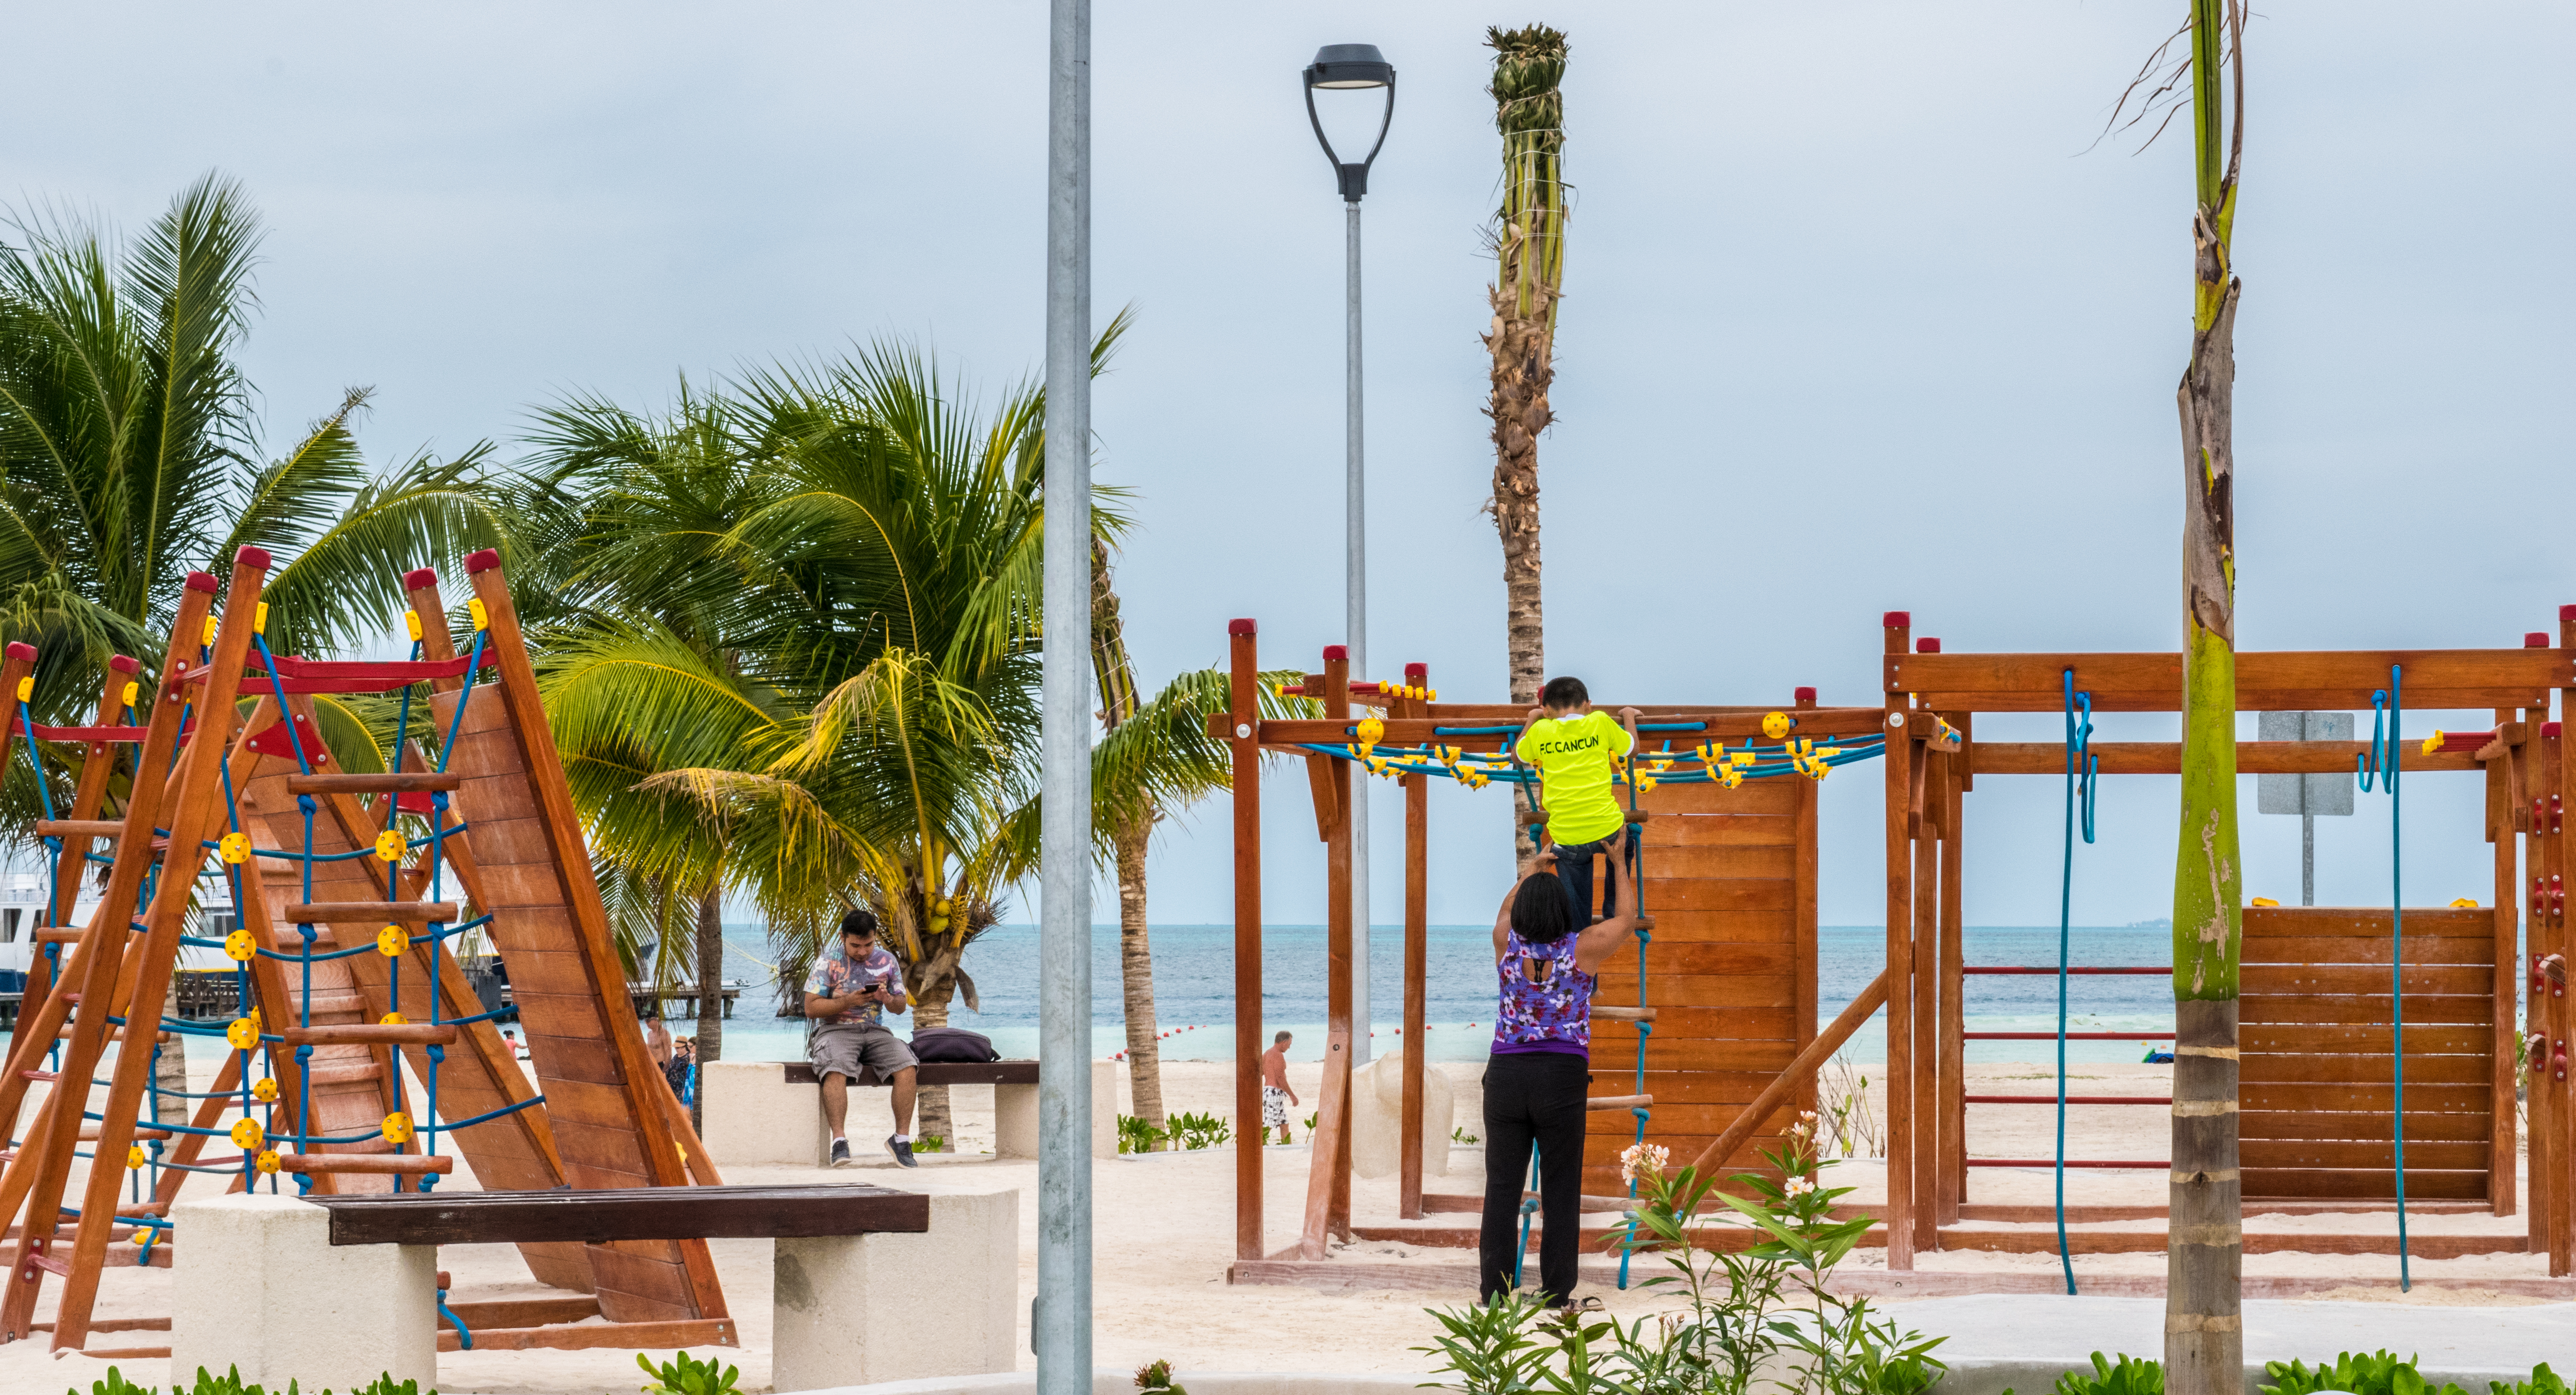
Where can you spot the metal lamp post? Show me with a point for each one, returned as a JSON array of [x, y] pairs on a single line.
[[1354, 68]]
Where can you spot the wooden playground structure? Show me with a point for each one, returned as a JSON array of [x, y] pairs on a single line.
[[1724, 1024], [343, 884]]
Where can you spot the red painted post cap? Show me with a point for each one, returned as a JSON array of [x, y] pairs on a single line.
[[123, 664], [255, 558], [1241, 627], [1897, 620], [2534, 639], [419, 580], [20, 649], [1802, 695], [1415, 673], [1337, 651], [2549, 730], [2566, 613], [1927, 646], [482, 561], [204, 581]]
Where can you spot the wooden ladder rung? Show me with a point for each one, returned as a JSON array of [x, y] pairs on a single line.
[[373, 1034], [406, 782], [405, 912], [1624, 1014], [1620, 1102], [36, 1075], [90, 1127], [361, 1162], [79, 828], [57, 934]]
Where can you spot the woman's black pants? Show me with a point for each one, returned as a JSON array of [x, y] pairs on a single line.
[[1536, 1098]]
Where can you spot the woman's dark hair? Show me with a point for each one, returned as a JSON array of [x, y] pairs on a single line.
[[1542, 910], [860, 922]]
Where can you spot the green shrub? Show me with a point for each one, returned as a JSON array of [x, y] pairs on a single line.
[[1460, 1135], [1137, 1136], [230, 1383], [1198, 1130], [2380, 1373], [1155, 1378], [682, 1375], [2128, 1375], [2543, 1382]]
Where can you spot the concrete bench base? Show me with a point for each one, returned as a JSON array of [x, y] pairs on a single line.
[[754, 1116], [259, 1286], [851, 1309]]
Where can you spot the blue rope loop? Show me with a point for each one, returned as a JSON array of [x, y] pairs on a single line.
[[2381, 758], [2083, 769]]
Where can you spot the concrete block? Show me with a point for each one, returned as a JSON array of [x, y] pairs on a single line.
[[259, 1286], [754, 1116], [1104, 1108], [1015, 1121], [849, 1310]]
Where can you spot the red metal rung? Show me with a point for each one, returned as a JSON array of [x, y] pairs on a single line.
[[132, 734], [35, 1075]]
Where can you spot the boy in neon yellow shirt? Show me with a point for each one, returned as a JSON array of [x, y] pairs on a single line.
[[1574, 749]]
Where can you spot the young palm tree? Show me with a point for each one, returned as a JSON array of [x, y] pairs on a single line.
[[2204, 1341], [129, 456], [1529, 274]]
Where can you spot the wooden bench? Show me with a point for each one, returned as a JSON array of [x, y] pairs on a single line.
[[937, 1073], [771, 1112]]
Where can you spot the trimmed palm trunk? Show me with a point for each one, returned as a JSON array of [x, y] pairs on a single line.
[[2204, 1252], [711, 974], [1529, 275], [1119, 701]]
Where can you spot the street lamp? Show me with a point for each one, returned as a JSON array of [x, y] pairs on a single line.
[[1354, 68]]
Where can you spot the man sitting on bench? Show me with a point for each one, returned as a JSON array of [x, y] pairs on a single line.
[[849, 991]]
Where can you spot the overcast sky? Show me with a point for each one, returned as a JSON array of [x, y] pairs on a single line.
[[1853, 322]]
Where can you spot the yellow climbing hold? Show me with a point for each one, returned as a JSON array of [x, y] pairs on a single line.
[[235, 847], [397, 1127], [133, 1155], [2434, 742], [249, 1135], [132, 691], [2262, 901], [259, 619], [391, 941], [238, 946], [392, 1019], [482, 617], [267, 1161], [1371, 731], [1777, 724], [389, 846], [210, 632], [411, 622], [27, 689], [242, 1033], [264, 1090], [2464, 903]]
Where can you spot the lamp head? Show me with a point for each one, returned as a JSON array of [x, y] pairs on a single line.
[[1350, 68]]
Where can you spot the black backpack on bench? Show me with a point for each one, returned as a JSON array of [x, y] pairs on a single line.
[[953, 1045]]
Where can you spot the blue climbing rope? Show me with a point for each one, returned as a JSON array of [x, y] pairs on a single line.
[[2083, 772], [2387, 716]]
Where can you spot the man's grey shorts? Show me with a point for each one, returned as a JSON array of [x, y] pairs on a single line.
[[867, 1054]]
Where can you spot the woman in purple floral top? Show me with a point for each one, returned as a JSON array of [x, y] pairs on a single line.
[[1540, 1070]]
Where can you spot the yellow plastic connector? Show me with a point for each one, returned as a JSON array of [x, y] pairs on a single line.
[[259, 619], [2433, 743], [1777, 724], [1730, 775], [267, 1161], [249, 1135], [411, 622], [133, 1156], [1740, 758], [397, 1127], [209, 641], [132, 691], [242, 1033], [264, 1090], [482, 617], [235, 848], [389, 846], [238, 946], [1645, 783], [392, 1019], [2262, 901], [391, 941], [2464, 903]]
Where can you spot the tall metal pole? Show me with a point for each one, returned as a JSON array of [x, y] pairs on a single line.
[[1355, 547], [2307, 858], [1060, 1329]]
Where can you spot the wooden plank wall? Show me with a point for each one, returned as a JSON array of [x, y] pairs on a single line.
[[2318, 1093], [1729, 877]]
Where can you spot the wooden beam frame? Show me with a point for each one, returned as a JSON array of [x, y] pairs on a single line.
[[1244, 691], [2265, 682]]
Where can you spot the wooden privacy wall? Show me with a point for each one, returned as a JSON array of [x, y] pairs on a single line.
[[2318, 1088], [1730, 879]]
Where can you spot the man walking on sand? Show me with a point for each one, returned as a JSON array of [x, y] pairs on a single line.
[[1275, 1094], [849, 992]]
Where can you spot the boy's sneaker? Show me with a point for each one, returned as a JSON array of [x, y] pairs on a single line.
[[902, 1151], [840, 1152]]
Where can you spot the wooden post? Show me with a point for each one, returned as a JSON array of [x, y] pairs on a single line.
[[2501, 1146], [1336, 1160], [1953, 1039], [1417, 957], [2540, 763], [1900, 955], [1928, 1086], [1802, 891], [1245, 698], [2553, 783]]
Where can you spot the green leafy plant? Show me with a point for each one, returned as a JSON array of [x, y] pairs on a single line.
[[2376, 1373], [230, 1383], [684, 1375], [1198, 1130], [1155, 1378], [1460, 1135], [1137, 1136], [2543, 1382], [1504, 1345], [2127, 1375], [929, 1143], [1310, 1122], [115, 1384]]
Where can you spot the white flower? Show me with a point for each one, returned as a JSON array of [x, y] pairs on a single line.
[[1638, 1161], [1798, 1186]]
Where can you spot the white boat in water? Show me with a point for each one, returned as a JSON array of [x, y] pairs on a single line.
[[22, 907]]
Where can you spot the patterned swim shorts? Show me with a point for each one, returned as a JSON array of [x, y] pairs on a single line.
[[1274, 1107]]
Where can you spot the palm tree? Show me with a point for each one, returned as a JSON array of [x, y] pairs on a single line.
[[2204, 1343], [129, 455], [1529, 274]]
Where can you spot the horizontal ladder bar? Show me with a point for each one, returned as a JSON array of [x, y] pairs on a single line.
[[2070, 1162], [374, 1034], [2070, 1036], [2045, 969], [2070, 1099], [402, 1163], [407, 782], [407, 912]]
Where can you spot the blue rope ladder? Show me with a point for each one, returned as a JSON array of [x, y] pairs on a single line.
[[2387, 715]]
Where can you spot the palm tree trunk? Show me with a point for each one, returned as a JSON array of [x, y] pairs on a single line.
[[711, 974], [1136, 970], [937, 988], [1529, 253], [2204, 1249]]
